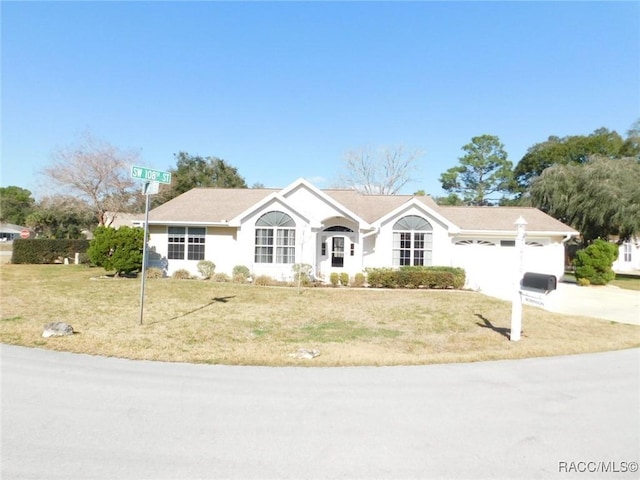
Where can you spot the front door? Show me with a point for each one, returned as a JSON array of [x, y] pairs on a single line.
[[337, 252]]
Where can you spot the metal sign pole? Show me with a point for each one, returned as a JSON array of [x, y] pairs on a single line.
[[144, 248]]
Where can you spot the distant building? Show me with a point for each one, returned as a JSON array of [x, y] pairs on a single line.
[[9, 232]]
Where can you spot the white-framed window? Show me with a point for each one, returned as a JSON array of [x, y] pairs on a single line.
[[275, 240], [412, 241], [626, 252], [191, 237]]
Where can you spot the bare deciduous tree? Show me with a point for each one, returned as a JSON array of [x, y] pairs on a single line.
[[98, 173], [383, 170]]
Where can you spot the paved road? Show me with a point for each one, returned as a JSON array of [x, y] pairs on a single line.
[[67, 416]]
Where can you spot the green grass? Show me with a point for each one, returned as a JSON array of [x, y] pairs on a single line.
[[626, 281], [629, 282], [224, 323]]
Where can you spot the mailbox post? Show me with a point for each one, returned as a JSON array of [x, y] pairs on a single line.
[[516, 306]]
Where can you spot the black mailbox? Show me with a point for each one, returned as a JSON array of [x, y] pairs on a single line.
[[539, 281]]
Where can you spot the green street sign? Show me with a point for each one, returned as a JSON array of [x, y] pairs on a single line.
[[151, 175]]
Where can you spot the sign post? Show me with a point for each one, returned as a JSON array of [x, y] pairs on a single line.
[[516, 306], [153, 179]]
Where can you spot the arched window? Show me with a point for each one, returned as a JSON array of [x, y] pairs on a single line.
[[338, 228], [412, 241], [483, 243], [275, 229]]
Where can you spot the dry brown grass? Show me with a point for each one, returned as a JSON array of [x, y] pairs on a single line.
[[224, 323]]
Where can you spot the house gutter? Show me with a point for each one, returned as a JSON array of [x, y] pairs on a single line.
[[190, 224]]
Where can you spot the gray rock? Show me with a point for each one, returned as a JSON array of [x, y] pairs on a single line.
[[306, 354], [57, 329]]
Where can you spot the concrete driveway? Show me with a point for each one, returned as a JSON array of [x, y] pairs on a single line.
[[67, 416], [606, 302]]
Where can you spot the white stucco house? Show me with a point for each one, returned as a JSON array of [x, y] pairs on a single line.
[[628, 257], [269, 230]]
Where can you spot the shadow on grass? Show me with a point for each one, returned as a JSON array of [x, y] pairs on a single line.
[[505, 332], [213, 300]]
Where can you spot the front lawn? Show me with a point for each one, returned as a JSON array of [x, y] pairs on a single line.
[[225, 323]]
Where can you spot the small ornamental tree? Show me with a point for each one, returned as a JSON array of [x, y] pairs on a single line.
[[593, 264], [117, 250]]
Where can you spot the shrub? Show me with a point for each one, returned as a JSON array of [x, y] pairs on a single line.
[[119, 250], [264, 280], [583, 282], [334, 278], [382, 277], [206, 268], [240, 273], [39, 251], [181, 274], [302, 274], [594, 262], [344, 279], [155, 272], [416, 276], [358, 280], [221, 277]]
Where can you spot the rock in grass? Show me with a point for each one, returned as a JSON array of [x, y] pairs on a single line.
[[306, 354], [57, 329]]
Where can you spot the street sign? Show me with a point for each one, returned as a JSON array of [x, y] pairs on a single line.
[[24, 233], [150, 188], [151, 175]]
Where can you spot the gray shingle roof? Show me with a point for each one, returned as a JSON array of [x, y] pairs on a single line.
[[217, 205], [502, 219]]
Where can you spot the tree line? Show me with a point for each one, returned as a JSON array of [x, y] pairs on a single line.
[[591, 182]]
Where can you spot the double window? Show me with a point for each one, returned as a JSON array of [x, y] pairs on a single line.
[[191, 237], [412, 241], [275, 240]]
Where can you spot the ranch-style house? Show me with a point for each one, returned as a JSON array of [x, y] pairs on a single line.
[[333, 230]]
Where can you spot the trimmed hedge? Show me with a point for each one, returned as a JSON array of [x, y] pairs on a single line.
[[39, 251], [416, 277]]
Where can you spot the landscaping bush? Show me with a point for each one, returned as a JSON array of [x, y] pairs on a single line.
[[119, 250], [416, 277], [42, 251], [206, 268], [221, 277], [359, 280], [382, 277], [181, 274], [594, 262], [264, 280], [344, 279], [240, 273], [155, 272], [302, 274], [334, 278]]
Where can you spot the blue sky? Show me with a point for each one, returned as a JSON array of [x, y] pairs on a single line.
[[282, 90]]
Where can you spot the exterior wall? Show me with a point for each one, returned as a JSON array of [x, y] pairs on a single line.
[[245, 248], [220, 248], [494, 269], [628, 257], [380, 254]]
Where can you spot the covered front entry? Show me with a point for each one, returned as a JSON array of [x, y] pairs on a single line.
[[336, 249]]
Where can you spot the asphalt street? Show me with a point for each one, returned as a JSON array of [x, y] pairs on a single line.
[[68, 416]]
